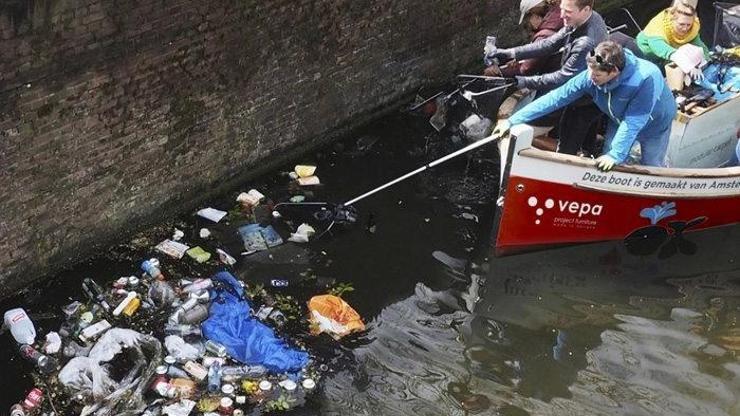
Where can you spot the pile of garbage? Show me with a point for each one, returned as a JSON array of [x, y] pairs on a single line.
[[151, 344]]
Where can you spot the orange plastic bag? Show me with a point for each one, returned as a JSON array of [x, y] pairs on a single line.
[[333, 315]]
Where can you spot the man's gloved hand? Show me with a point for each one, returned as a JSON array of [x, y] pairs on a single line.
[[605, 163], [496, 54], [502, 129]]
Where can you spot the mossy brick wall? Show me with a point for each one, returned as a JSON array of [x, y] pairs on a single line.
[[115, 113]]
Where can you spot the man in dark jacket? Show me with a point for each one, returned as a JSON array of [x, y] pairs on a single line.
[[584, 29], [542, 19]]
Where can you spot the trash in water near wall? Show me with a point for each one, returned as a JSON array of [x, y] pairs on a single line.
[[149, 342], [212, 214]]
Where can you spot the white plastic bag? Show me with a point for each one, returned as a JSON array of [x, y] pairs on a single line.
[[86, 375], [181, 350]]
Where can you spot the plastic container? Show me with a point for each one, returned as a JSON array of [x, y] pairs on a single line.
[[308, 384], [265, 385], [247, 371], [214, 377], [209, 361], [183, 330], [198, 285], [228, 389], [44, 363], [20, 325], [151, 267], [226, 406], [196, 370]]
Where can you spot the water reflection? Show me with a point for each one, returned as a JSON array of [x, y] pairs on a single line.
[[545, 337]]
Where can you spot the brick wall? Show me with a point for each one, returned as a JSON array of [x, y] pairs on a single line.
[[115, 113]]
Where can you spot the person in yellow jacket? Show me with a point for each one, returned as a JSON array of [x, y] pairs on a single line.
[[672, 28]]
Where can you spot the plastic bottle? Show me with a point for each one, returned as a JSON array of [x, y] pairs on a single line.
[[250, 371], [182, 330], [198, 285], [21, 326], [124, 303], [214, 377], [151, 267], [95, 293], [488, 49], [44, 363]]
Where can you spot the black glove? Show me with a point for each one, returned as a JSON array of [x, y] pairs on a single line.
[[500, 55]]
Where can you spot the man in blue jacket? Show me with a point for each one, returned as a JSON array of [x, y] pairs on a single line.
[[629, 90]]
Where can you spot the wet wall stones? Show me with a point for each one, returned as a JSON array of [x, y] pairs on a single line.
[[115, 113]]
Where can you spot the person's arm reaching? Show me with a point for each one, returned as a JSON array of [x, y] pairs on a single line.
[[574, 63], [542, 47], [569, 92]]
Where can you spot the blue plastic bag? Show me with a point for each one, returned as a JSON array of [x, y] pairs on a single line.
[[246, 339]]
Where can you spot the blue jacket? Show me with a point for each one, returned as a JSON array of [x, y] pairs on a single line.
[[638, 102]]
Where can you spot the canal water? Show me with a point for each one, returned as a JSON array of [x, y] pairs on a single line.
[[575, 331], [449, 330]]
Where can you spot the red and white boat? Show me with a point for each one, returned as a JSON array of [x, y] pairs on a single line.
[[549, 199]]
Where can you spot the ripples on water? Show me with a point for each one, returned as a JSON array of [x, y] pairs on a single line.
[[431, 360], [604, 338]]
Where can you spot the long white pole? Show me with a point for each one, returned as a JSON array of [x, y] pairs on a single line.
[[443, 159]]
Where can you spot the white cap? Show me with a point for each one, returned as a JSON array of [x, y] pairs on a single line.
[[525, 6]]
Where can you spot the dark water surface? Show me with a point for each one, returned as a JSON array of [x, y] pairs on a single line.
[[578, 331]]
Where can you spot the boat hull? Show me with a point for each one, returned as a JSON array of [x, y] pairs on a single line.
[[549, 199], [539, 213]]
